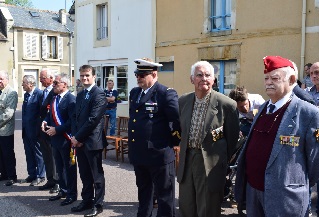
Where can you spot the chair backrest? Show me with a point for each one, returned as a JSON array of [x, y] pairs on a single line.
[[122, 126], [106, 123]]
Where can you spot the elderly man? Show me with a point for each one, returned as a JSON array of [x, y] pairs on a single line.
[[307, 83], [31, 130], [46, 79], [8, 105], [281, 156], [57, 125], [210, 131], [153, 131], [111, 99]]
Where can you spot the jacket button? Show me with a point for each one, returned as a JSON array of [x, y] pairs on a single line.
[[134, 120], [133, 140], [132, 131], [136, 110]]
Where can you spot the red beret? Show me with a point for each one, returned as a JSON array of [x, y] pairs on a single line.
[[275, 62]]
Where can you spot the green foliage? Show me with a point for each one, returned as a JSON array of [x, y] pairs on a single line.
[[22, 3]]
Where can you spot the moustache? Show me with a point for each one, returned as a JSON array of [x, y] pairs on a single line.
[[270, 87]]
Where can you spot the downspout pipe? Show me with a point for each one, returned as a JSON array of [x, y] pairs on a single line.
[[303, 38]]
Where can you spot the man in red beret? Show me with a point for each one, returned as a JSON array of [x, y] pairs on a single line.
[[280, 159]]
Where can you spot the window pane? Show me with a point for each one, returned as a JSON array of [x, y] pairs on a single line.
[[230, 76], [167, 66], [122, 82]]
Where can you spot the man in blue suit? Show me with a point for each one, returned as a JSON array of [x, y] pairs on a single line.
[[153, 131], [280, 159], [31, 130], [87, 132], [57, 125]]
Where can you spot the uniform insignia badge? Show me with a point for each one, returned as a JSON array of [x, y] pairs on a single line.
[[289, 140], [316, 134], [217, 133]]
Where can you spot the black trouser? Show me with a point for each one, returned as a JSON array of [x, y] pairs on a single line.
[[7, 157], [162, 178]]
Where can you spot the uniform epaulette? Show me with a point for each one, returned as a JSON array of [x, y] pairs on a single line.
[[169, 89]]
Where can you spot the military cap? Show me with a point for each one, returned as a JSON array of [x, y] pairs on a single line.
[[275, 62], [145, 65]]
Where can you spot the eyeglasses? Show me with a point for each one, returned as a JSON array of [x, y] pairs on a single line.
[[43, 78], [142, 75], [200, 76]]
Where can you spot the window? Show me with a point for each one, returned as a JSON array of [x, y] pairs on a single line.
[[31, 46], [167, 66], [52, 47], [220, 15], [102, 22], [116, 73], [225, 72]]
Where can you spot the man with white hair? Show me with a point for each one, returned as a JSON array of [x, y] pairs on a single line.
[[280, 159], [8, 105], [210, 131], [46, 79]]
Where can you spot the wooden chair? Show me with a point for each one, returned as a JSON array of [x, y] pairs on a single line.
[[122, 131], [124, 147]]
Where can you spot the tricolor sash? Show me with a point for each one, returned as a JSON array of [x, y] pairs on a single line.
[[57, 117], [59, 121]]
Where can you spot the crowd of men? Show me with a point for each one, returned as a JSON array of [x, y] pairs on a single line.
[[277, 165]]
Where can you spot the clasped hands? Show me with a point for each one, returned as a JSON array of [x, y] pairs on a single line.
[[51, 132]]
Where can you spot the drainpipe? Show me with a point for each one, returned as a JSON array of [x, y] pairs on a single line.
[[71, 35], [303, 38]]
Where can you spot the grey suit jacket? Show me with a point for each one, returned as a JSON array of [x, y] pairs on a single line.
[[290, 169], [221, 112], [8, 105]]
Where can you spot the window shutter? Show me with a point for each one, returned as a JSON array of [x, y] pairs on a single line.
[[27, 52], [44, 47], [34, 46], [60, 48]]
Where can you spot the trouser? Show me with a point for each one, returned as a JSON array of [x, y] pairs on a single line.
[[7, 157], [112, 118]]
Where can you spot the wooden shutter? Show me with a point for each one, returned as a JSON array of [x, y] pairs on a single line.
[[27, 51], [34, 45], [60, 48], [44, 47]]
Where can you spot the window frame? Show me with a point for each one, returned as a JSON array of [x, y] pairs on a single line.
[[223, 16]]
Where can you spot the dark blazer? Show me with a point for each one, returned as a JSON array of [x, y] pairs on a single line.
[[302, 94], [30, 114], [152, 121], [66, 110], [221, 112], [88, 123], [44, 105]]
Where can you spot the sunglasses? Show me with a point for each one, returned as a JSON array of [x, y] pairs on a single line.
[[142, 75]]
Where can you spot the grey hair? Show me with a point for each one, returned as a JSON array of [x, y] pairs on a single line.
[[64, 78], [288, 71], [205, 64], [5, 74], [30, 79], [50, 72]]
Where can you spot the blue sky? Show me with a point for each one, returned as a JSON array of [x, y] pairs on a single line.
[[52, 5]]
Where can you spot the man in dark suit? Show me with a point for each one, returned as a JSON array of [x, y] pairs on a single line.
[[46, 79], [153, 131], [87, 131], [31, 130], [8, 105], [210, 131], [57, 125]]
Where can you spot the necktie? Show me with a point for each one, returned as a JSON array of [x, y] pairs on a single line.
[[271, 108], [26, 97], [86, 94], [143, 94], [0, 92], [45, 94], [58, 99]]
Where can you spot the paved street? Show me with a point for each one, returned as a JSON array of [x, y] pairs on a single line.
[[120, 199]]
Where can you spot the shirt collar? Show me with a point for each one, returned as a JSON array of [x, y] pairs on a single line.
[[90, 87], [62, 94], [281, 102]]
